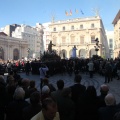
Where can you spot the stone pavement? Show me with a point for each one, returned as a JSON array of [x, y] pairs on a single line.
[[97, 80]]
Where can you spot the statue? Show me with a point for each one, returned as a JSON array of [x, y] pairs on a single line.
[[50, 47], [74, 52]]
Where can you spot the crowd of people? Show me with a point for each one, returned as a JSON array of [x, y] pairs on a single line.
[[21, 100]]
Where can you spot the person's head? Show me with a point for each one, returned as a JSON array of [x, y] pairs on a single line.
[[45, 90], [35, 98], [91, 91], [25, 82], [19, 94], [32, 83], [60, 84], [77, 78], [45, 81], [66, 92], [104, 89], [110, 99], [49, 108]]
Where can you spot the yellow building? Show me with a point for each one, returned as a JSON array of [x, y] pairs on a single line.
[[116, 23], [80, 32]]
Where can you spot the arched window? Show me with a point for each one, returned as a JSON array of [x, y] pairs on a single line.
[[15, 54], [72, 27], [63, 39], [81, 39], [72, 39]]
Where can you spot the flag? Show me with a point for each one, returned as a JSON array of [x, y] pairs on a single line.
[[70, 12], [66, 13], [76, 10], [82, 12]]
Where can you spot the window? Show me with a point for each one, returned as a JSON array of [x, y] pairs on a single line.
[[110, 46], [92, 25], [110, 40], [72, 27], [64, 28], [54, 29], [72, 39], [81, 39], [63, 39], [92, 39], [81, 26]]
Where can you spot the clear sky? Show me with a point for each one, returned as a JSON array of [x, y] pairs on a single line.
[[31, 12]]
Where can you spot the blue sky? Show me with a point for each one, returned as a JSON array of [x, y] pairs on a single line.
[[32, 11]]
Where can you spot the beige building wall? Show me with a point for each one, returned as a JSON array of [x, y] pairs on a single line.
[[116, 23], [12, 48], [80, 32]]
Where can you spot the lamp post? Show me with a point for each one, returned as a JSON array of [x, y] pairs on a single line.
[[87, 49], [97, 45], [28, 50]]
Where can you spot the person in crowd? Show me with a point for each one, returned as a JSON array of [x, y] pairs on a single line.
[[34, 107], [51, 87], [43, 72], [57, 94], [66, 106], [108, 72], [108, 112], [45, 92], [27, 68], [91, 68], [104, 89], [48, 112], [77, 89], [118, 70], [15, 107], [9, 66], [32, 87], [25, 86], [10, 88], [2, 97], [88, 105]]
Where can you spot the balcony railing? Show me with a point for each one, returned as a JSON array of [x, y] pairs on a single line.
[[68, 43]]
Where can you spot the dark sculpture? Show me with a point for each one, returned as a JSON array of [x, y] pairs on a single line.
[[50, 47]]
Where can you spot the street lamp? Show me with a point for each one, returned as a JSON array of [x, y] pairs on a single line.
[[97, 45], [87, 49], [28, 50]]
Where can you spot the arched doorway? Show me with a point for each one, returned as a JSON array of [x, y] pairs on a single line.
[[82, 53], [15, 54], [92, 52], [63, 54], [1, 53]]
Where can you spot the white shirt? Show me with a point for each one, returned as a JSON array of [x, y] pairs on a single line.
[[43, 71], [90, 66]]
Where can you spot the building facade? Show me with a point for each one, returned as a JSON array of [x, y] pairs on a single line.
[[46, 35], [82, 33], [12, 48], [110, 39], [116, 23], [33, 35]]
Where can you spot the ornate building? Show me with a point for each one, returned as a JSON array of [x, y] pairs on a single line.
[[82, 33], [12, 48], [116, 23]]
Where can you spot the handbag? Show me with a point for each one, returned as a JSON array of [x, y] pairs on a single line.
[[46, 76]]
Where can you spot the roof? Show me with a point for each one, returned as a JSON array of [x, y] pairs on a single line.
[[3, 34], [116, 18]]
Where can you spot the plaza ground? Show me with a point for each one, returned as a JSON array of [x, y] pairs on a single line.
[[97, 81]]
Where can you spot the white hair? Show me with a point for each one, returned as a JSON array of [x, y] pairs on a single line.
[[45, 89], [19, 94], [110, 99]]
